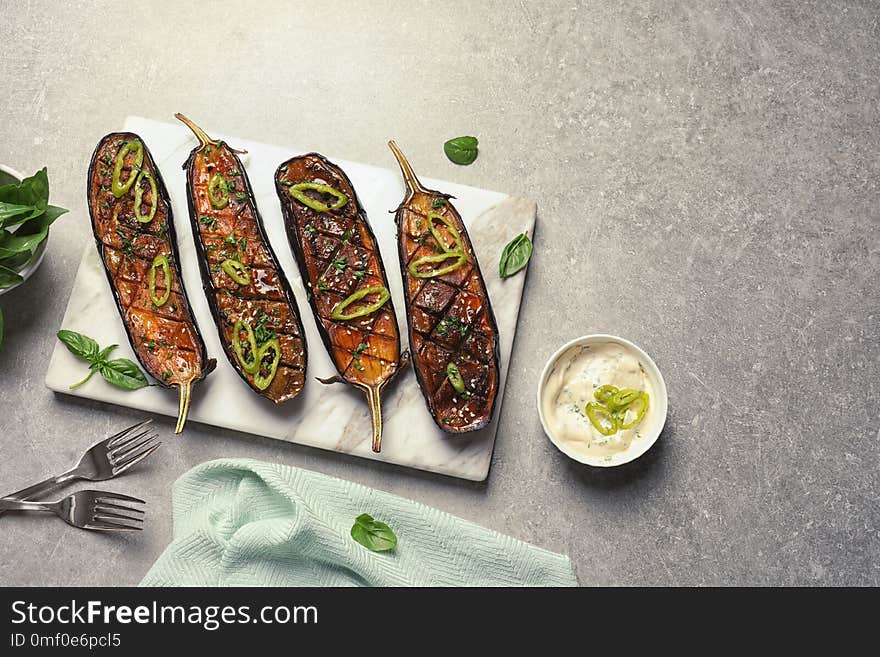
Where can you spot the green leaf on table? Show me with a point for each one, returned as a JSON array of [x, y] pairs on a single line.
[[8, 277], [102, 355], [461, 150], [123, 373], [79, 345], [515, 256], [373, 534]]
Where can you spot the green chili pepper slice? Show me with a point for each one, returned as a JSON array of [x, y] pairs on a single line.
[[249, 366], [459, 247], [601, 418], [384, 295], [621, 399], [454, 377], [460, 259], [236, 271], [138, 196], [118, 187], [160, 262], [262, 382], [604, 393], [298, 192], [639, 406], [218, 192]]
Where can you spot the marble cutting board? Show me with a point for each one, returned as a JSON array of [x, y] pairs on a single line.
[[331, 417]]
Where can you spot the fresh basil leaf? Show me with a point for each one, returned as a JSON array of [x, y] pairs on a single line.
[[373, 534], [461, 150], [515, 256], [8, 277], [7, 179], [17, 262], [102, 356], [79, 345], [10, 210], [124, 374], [32, 191]]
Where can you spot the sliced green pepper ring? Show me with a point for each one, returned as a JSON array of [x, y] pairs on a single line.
[[460, 257], [262, 382], [118, 187], [601, 418], [236, 271], [639, 406], [455, 378], [138, 197], [604, 393], [621, 399], [459, 247], [160, 262], [218, 192], [382, 291], [298, 192], [249, 366]]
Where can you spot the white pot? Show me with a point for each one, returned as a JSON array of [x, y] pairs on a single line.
[[40, 251]]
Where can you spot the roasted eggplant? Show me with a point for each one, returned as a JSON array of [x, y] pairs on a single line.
[[251, 301], [340, 262], [453, 336], [134, 231]]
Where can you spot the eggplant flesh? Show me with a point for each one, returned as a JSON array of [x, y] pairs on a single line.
[[164, 337], [338, 256], [449, 316], [234, 231]]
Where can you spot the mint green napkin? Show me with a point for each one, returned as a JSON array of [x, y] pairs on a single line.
[[239, 522]]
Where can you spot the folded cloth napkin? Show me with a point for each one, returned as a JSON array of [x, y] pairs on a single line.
[[239, 522]]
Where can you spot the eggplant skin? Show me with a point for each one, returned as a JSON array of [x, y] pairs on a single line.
[[288, 373], [432, 307], [377, 360], [147, 359]]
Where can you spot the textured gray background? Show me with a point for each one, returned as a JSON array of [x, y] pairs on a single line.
[[706, 175]]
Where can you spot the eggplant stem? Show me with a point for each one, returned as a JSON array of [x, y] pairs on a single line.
[[409, 176], [375, 402], [200, 134], [183, 407]]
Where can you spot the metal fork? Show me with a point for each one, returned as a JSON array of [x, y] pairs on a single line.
[[88, 509], [105, 460]]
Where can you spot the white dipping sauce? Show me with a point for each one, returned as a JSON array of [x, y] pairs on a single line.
[[570, 385]]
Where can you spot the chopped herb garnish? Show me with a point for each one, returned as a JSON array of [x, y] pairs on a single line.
[[310, 229], [360, 274], [240, 196], [166, 375], [438, 202], [322, 285], [210, 222], [339, 263]]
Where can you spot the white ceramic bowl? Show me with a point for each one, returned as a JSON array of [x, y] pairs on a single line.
[[649, 433], [40, 251]]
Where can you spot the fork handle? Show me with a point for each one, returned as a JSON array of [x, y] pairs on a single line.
[[51, 484], [21, 505]]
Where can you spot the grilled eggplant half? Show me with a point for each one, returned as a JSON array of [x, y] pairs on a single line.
[[340, 261], [251, 301], [134, 231], [453, 336]]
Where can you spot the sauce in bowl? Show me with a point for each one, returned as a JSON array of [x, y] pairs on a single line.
[[570, 382]]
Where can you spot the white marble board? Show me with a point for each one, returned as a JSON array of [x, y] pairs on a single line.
[[333, 417]]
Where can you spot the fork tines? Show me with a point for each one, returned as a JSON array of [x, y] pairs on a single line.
[[133, 450], [115, 439], [115, 512]]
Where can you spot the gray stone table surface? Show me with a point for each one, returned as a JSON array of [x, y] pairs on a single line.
[[707, 181]]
